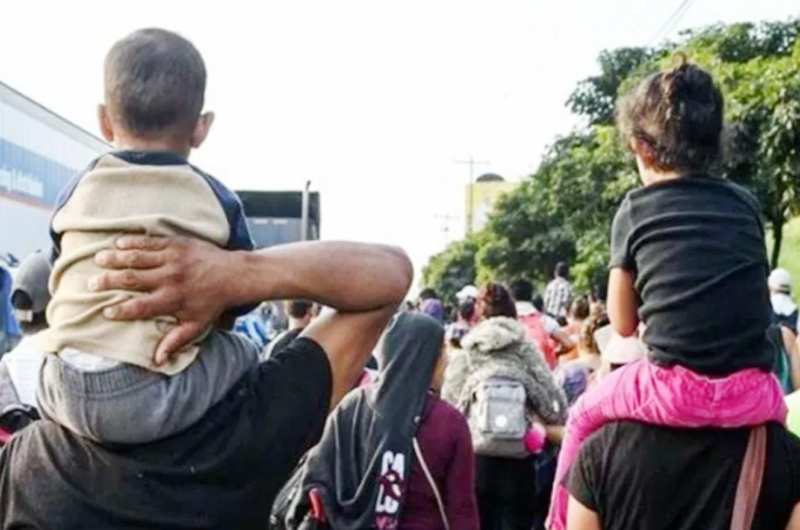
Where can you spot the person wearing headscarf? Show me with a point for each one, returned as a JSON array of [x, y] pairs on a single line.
[[366, 472]]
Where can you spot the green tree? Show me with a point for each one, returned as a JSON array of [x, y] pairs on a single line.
[[563, 211], [758, 69], [595, 97], [453, 268]]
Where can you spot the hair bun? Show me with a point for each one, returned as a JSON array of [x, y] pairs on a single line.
[[676, 80]]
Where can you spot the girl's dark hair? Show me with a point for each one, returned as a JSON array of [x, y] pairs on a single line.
[[427, 294], [678, 113], [496, 301], [590, 326], [579, 308]]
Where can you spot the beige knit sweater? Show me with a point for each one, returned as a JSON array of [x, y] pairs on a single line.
[[115, 198]]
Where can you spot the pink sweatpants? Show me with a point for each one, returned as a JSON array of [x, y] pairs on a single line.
[[676, 397]]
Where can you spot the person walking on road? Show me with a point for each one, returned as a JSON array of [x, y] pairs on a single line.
[[558, 293], [512, 493], [19, 368], [394, 455]]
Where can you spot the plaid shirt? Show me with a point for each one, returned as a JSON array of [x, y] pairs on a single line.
[[557, 297]]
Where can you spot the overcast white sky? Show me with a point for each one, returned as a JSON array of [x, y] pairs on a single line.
[[371, 100]]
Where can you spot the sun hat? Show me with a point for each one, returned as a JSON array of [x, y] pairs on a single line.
[[617, 349]]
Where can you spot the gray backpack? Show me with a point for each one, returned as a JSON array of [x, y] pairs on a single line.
[[498, 418]]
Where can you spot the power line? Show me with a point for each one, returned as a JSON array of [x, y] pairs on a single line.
[[673, 20], [669, 21]]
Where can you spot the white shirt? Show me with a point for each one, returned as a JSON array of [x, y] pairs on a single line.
[[24, 363], [550, 324], [86, 362]]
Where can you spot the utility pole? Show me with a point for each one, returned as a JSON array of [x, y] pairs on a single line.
[[304, 215], [471, 163]]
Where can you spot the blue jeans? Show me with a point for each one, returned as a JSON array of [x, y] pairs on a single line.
[[127, 404]]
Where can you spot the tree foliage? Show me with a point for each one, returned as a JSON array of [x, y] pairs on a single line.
[[452, 269], [563, 211], [595, 97]]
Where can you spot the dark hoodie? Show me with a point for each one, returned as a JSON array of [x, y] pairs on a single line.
[[361, 466]]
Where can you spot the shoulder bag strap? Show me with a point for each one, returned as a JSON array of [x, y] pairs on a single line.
[[432, 482], [751, 476]]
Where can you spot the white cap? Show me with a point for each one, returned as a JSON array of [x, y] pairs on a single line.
[[780, 280], [470, 291], [617, 349]]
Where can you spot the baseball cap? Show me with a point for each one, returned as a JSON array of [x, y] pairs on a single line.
[[780, 280], [617, 349], [32, 279], [470, 291]]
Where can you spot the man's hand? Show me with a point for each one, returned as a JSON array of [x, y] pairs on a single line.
[[180, 277], [195, 282]]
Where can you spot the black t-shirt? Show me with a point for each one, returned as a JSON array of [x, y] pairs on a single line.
[[224, 472], [696, 247], [281, 342], [645, 476]]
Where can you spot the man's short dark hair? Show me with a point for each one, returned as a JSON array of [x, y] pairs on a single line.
[[299, 309], [562, 270], [155, 83], [428, 294], [522, 290]]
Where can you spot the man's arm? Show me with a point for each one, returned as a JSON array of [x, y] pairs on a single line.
[[348, 339], [196, 282], [562, 337], [794, 520], [549, 292], [557, 333], [623, 305], [579, 517]]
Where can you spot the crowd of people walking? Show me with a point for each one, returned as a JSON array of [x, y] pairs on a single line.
[[661, 407]]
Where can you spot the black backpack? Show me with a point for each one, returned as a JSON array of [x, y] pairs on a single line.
[[292, 507]]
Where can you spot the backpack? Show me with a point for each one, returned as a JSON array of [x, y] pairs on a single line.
[[498, 418], [538, 334], [292, 507]]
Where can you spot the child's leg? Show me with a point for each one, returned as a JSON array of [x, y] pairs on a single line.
[[676, 397], [130, 405]]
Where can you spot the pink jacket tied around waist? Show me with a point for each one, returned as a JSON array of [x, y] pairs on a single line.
[[675, 397]]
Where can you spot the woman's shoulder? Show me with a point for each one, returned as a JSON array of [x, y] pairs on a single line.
[[442, 411]]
